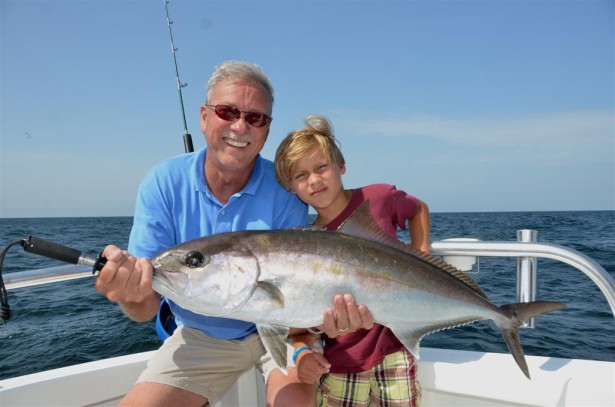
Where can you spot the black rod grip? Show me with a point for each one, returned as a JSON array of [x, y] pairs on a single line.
[[52, 250], [188, 143]]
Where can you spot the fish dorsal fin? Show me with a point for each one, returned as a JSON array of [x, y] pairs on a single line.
[[361, 224]]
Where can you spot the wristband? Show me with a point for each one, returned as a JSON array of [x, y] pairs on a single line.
[[298, 351]]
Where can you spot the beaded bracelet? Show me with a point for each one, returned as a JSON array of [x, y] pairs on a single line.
[[298, 351]]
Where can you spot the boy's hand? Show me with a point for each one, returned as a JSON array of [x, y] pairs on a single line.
[[311, 366]]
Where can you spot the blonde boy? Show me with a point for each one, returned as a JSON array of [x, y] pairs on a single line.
[[367, 366]]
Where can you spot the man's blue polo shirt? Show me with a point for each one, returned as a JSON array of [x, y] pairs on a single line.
[[174, 205]]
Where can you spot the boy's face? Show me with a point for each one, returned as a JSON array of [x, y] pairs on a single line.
[[315, 181]]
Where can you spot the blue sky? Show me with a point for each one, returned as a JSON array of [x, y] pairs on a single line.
[[482, 105]]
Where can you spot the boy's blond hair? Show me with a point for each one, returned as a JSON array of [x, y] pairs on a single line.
[[317, 133]]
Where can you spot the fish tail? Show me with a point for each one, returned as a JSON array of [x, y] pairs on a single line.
[[516, 315]]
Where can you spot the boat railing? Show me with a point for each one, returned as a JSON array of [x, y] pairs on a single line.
[[451, 249], [530, 250]]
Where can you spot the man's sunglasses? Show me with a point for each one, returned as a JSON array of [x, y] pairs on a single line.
[[230, 113]]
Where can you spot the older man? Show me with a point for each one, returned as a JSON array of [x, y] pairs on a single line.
[[224, 187]]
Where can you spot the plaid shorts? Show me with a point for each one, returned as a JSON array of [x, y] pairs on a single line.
[[391, 383]]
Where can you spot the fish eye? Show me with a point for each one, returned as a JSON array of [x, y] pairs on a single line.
[[194, 259]]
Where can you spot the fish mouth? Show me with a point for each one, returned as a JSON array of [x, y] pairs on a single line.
[[168, 281]]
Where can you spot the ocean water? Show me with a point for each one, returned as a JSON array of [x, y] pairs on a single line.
[[64, 323]]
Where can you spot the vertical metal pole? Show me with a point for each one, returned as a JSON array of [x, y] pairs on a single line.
[[526, 273]]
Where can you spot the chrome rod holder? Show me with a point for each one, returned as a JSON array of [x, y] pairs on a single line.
[[526, 273], [467, 263]]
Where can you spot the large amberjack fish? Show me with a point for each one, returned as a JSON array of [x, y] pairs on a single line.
[[287, 278]]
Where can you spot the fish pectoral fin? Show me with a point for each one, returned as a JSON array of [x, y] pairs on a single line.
[[272, 292], [275, 338]]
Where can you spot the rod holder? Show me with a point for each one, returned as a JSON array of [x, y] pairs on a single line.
[[526, 273], [467, 263]]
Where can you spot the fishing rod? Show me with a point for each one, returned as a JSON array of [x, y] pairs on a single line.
[[51, 250], [187, 137]]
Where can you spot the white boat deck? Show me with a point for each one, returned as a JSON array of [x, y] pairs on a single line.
[[447, 377]]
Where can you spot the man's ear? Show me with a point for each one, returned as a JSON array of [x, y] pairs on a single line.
[[203, 117]]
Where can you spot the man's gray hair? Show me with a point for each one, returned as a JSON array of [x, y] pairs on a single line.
[[239, 70]]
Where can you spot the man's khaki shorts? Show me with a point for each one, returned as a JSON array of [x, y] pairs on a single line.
[[195, 362]]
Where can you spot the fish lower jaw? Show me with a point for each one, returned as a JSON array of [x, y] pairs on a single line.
[[160, 287], [197, 307]]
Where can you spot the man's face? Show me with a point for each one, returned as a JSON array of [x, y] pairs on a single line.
[[234, 145]]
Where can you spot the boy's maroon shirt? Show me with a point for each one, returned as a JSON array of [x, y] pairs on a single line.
[[361, 350]]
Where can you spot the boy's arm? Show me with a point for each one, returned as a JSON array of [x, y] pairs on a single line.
[[310, 365], [419, 228]]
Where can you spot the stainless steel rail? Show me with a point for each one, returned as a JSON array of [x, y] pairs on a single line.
[[572, 257], [48, 275], [440, 248]]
